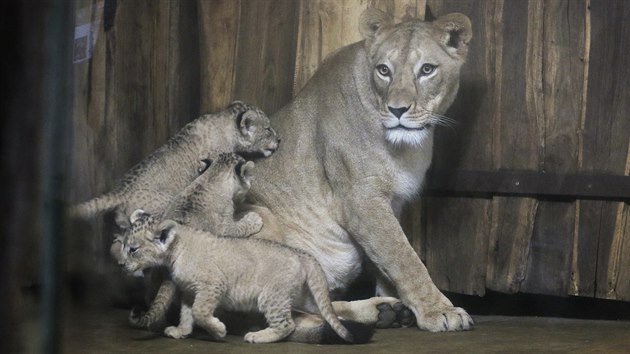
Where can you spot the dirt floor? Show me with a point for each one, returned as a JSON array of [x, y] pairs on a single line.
[[105, 330]]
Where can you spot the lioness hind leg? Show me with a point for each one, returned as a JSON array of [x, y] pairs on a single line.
[[383, 312]]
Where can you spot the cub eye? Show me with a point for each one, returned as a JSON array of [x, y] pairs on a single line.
[[383, 70], [427, 69], [133, 250]]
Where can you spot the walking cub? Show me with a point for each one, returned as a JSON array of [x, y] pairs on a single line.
[[206, 204], [151, 184], [233, 273]]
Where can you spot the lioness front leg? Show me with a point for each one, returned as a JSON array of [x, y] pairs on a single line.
[[372, 223]]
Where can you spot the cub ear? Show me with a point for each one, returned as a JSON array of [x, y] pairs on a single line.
[[136, 215], [204, 164], [245, 122], [245, 170], [455, 33], [167, 233], [372, 21]]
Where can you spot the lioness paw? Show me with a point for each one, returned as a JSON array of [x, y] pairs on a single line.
[[446, 319], [394, 316]]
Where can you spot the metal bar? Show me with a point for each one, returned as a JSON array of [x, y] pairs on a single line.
[[56, 110], [489, 183]]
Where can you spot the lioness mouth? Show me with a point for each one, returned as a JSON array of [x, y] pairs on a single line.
[[411, 129]]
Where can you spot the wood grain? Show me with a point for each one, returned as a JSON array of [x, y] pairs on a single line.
[[218, 33]]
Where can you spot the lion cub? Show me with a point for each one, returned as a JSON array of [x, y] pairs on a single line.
[[206, 204], [152, 183], [233, 273]]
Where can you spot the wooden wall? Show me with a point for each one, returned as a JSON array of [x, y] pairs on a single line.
[[543, 90]]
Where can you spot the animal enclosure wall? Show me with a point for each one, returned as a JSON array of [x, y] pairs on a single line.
[[544, 91]]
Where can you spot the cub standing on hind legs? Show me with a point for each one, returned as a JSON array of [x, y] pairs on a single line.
[[152, 183], [234, 274]]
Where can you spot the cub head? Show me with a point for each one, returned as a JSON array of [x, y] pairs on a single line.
[[145, 243], [254, 134], [414, 69], [228, 173]]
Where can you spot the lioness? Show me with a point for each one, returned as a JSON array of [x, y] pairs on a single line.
[[357, 141]]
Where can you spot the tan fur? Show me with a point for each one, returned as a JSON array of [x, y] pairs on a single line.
[[235, 274], [152, 183], [349, 161], [206, 204]]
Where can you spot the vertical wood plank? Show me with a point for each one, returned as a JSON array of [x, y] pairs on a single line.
[[561, 41], [327, 25], [468, 145], [517, 148], [142, 87], [605, 147], [218, 33], [265, 56]]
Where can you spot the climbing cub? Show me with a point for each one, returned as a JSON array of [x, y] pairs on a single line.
[[233, 273], [152, 183], [208, 202]]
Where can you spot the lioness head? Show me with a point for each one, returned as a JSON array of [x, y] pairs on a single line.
[[415, 69], [145, 243]]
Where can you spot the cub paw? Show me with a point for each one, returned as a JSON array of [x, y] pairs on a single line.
[[136, 318], [394, 316], [255, 222], [174, 332], [218, 330], [446, 319]]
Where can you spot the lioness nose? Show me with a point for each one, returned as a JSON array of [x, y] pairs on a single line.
[[398, 112]]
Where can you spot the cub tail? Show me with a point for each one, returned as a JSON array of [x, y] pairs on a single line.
[[313, 329], [325, 332], [94, 206]]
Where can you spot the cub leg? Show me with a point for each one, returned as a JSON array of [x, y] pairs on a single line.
[[206, 301], [185, 326], [159, 306], [277, 311], [248, 225]]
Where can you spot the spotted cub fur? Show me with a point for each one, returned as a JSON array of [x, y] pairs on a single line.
[[206, 204], [152, 183], [234, 273]]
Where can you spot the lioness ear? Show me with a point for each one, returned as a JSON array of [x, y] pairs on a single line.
[[136, 215], [167, 233], [455, 33], [245, 123], [372, 21]]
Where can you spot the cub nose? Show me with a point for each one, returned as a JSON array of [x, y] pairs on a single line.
[[398, 112]]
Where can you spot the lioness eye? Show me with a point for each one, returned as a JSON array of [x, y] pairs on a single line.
[[383, 69], [427, 69]]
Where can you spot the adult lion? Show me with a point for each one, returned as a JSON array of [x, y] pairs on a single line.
[[357, 141]]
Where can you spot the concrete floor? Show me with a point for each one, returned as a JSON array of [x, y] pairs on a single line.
[[105, 330]]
